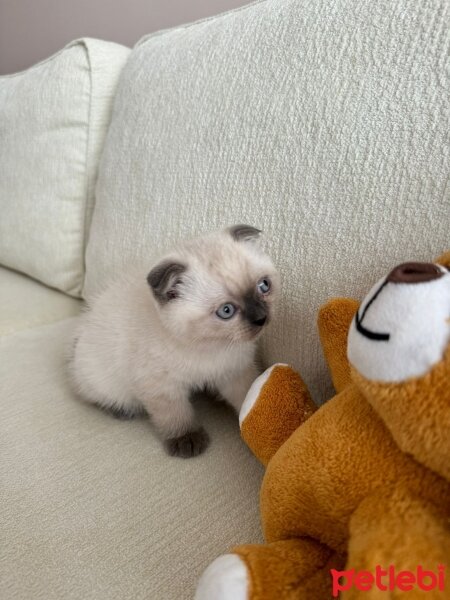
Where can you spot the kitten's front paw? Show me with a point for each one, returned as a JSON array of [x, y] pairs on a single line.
[[190, 444]]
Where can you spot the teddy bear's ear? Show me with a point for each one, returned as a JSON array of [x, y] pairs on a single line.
[[334, 320], [444, 260]]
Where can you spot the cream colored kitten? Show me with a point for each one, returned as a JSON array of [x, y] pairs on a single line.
[[149, 340]]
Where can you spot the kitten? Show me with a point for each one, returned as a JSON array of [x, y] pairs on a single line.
[[149, 340]]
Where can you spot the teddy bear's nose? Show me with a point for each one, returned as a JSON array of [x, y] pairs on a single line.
[[414, 272]]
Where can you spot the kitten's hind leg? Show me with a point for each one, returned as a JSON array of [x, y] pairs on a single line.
[[94, 384], [122, 413], [119, 409], [174, 417]]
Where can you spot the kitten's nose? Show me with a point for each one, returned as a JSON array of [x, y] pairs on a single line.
[[255, 311], [260, 322], [414, 272]]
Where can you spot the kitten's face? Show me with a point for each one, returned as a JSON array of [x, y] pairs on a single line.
[[218, 288]]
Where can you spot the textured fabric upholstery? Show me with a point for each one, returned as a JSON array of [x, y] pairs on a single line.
[[25, 303], [53, 121], [92, 507], [324, 123]]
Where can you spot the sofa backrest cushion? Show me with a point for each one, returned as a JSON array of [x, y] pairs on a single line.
[[324, 123], [53, 121]]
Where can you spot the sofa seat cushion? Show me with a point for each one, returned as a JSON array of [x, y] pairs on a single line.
[[26, 303], [53, 122], [92, 507], [324, 123]]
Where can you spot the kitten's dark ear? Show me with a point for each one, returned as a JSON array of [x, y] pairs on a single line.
[[244, 233], [164, 279]]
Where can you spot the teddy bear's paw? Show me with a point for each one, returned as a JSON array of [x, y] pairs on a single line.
[[255, 390], [225, 579]]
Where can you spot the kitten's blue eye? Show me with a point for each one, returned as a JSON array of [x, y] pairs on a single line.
[[226, 311], [263, 285]]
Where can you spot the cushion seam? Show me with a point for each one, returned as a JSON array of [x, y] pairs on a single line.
[[79, 41], [88, 188], [222, 15]]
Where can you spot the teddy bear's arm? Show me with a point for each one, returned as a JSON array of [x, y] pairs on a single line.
[[276, 405], [334, 321]]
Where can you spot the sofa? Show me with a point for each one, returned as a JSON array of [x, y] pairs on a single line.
[[326, 124]]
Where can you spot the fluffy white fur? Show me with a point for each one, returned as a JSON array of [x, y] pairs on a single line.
[[146, 345]]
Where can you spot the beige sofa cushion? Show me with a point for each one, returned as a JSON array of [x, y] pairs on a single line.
[[25, 303], [325, 124], [92, 508], [53, 121]]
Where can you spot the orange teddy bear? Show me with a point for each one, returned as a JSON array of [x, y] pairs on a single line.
[[356, 496]]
